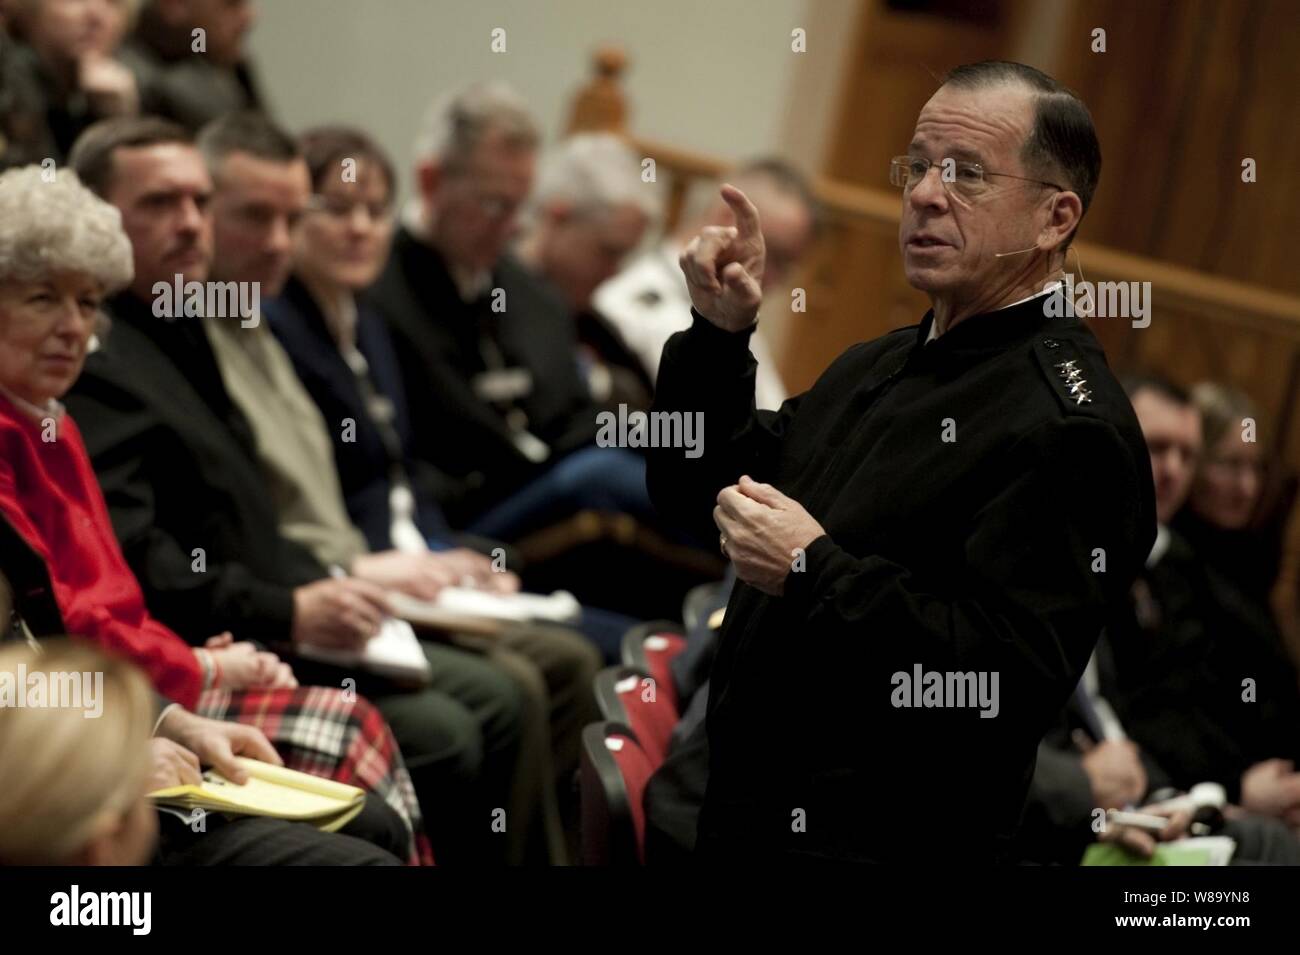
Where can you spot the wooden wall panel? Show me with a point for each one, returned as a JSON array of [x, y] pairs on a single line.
[[1185, 92]]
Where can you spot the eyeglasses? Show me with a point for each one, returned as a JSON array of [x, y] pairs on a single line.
[[1236, 467], [344, 209], [965, 181], [494, 208]]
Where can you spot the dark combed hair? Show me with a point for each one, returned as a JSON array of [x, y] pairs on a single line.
[[245, 132], [325, 147], [1149, 381], [1063, 138], [92, 154]]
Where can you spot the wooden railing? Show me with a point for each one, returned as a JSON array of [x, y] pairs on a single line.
[[848, 205]]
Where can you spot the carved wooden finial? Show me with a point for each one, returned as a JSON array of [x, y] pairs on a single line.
[[599, 106]]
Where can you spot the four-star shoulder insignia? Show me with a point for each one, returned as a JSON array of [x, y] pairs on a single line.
[[1066, 371], [1076, 385]]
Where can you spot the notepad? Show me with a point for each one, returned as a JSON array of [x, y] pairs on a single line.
[[270, 791], [1196, 850], [394, 652]]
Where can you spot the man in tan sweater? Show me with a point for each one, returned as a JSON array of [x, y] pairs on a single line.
[[261, 188]]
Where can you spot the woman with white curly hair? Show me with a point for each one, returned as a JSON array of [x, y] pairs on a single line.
[[62, 251]]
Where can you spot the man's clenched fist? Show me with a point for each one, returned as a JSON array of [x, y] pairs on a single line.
[[761, 530]]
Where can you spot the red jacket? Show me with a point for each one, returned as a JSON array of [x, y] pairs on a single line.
[[49, 493]]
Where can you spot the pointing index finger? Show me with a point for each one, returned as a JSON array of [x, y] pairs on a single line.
[[745, 212]]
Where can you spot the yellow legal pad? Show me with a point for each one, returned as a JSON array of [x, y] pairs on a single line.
[[270, 791]]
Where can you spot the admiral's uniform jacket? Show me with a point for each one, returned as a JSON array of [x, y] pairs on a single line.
[[987, 500]]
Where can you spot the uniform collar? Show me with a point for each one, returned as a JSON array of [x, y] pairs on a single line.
[[1047, 290], [990, 331]]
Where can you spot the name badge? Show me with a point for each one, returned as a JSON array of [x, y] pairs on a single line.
[[506, 384]]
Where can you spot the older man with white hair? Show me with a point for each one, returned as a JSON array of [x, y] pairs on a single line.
[[590, 210]]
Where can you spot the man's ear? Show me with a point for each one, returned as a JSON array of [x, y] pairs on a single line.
[[428, 177], [559, 211], [1062, 219]]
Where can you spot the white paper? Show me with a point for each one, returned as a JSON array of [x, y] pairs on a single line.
[[394, 652], [559, 607]]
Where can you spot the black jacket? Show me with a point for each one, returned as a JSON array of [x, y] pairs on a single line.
[[1176, 656], [980, 553], [175, 459], [442, 341], [366, 461], [29, 591], [39, 118]]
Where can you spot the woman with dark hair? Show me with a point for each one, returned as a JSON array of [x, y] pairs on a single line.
[[1222, 516]]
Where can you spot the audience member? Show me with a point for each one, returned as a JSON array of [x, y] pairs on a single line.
[[189, 61], [62, 76], [345, 358], [589, 211], [75, 788], [1198, 681], [487, 351], [262, 187], [1221, 520], [1087, 766]]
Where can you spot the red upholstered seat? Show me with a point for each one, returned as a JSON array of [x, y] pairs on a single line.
[[660, 648], [630, 696], [613, 776], [651, 647]]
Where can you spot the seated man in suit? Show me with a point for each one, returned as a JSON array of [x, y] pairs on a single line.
[[1199, 680], [262, 189], [487, 352], [589, 211], [177, 463], [1087, 765]]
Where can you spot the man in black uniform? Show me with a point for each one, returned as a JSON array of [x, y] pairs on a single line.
[[929, 540]]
